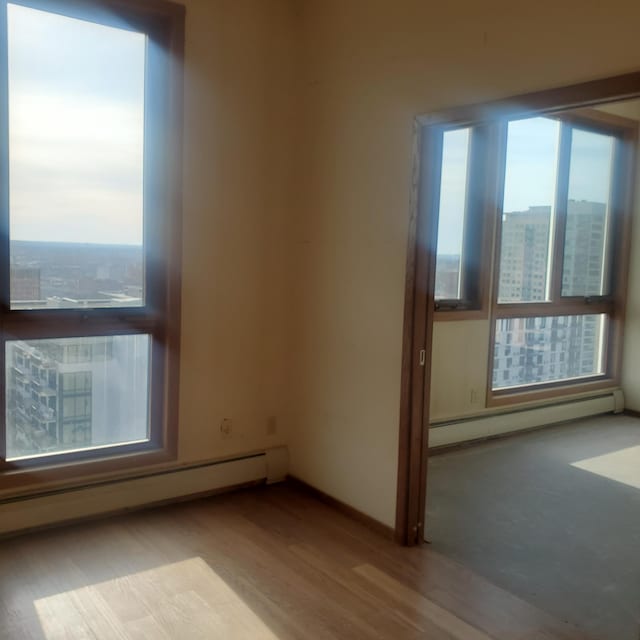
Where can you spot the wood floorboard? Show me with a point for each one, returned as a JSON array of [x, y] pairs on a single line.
[[442, 579], [263, 564]]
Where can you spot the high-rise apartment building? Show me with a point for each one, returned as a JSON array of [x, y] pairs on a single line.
[[584, 247], [533, 350], [76, 393], [524, 256]]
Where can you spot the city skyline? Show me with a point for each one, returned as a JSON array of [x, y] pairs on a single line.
[[448, 264], [531, 168], [533, 350], [68, 275]]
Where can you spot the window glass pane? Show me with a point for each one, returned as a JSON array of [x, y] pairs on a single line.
[[586, 238], [528, 209], [536, 350], [76, 125], [451, 221], [59, 402]]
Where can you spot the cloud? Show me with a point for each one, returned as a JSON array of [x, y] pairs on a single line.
[[76, 130]]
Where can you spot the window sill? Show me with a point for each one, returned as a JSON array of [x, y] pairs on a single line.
[[18, 478], [529, 394], [453, 315]]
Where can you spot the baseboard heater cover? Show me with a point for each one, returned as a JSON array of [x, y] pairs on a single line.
[[490, 425], [107, 497]]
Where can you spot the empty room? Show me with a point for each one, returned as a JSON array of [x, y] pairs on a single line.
[[319, 320]]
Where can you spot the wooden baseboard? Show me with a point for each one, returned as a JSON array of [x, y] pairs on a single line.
[[631, 412], [338, 505]]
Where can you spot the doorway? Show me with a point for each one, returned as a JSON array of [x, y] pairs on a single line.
[[479, 301]]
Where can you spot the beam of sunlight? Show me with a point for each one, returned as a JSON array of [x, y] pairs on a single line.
[[621, 466], [185, 597]]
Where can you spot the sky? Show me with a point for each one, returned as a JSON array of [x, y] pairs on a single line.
[[530, 178], [76, 129], [76, 109], [455, 153]]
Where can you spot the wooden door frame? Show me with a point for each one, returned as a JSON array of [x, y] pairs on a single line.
[[416, 346], [413, 450]]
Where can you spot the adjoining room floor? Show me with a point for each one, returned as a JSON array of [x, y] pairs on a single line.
[[552, 516], [263, 564]]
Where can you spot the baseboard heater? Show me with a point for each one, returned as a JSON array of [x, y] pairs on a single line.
[[110, 496], [488, 425]]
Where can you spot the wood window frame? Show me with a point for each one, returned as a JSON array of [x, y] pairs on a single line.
[[613, 304], [478, 224], [164, 23], [413, 449]]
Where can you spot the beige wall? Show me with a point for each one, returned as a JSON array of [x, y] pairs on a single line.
[[239, 108], [459, 369], [369, 69]]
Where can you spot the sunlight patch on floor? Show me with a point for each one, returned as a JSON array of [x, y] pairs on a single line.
[[622, 466], [185, 599]]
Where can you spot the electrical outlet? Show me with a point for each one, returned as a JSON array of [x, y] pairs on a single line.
[[226, 428], [272, 426], [474, 396]]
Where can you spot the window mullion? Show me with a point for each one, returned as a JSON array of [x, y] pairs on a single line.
[[559, 216], [4, 159], [472, 273], [622, 207], [621, 198], [4, 214], [499, 172], [567, 306], [432, 139], [43, 325], [466, 255]]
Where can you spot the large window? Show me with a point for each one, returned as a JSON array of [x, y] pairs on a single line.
[[90, 225], [564, 209], [76, 161], [556, 188]]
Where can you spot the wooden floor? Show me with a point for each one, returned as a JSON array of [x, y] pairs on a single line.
[[263, 564]]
